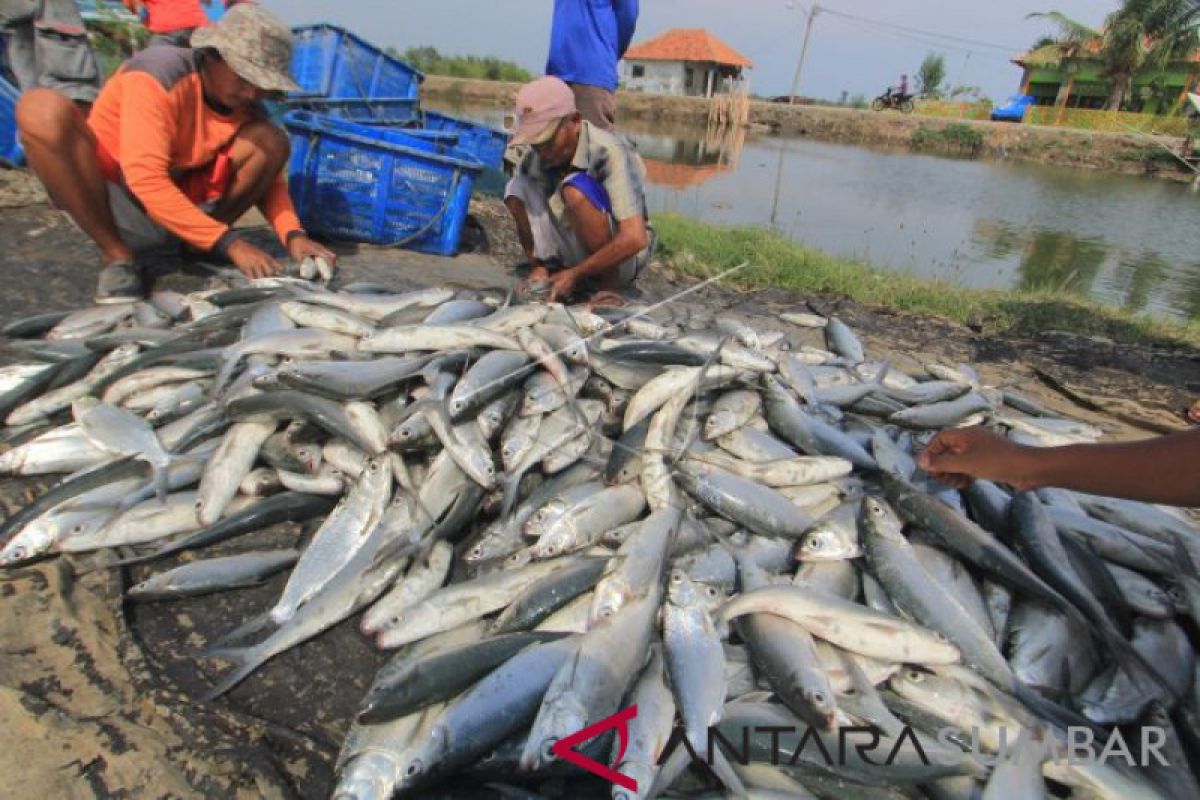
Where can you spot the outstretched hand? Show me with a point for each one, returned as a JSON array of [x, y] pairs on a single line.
[[958, 455]]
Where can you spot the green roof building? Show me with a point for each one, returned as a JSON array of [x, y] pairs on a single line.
[[1054, 75]]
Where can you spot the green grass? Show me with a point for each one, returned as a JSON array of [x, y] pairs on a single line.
[[956, 137], [702, 251]]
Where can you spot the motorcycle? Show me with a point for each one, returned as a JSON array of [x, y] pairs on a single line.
[[894, 101]]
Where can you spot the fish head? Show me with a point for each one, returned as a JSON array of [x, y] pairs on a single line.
[[608, 601], [552, 545], [717, 424], [418, 760], [824, 703], [309, 456], [23, 547], [818, 544], [682, 591], [370, 776], [560, 715], [519, 558], [876, 516], [480, 551]]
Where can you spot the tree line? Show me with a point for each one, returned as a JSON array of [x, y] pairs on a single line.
[[488, 68]]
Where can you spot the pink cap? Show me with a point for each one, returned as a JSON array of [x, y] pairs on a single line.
[[540, 104]]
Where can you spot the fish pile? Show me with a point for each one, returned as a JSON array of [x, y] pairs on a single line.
[[551, 513]]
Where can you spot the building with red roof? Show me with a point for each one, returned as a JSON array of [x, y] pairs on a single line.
[[683, 62]]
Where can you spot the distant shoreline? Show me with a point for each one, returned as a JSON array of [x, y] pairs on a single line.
[[1106, 152]]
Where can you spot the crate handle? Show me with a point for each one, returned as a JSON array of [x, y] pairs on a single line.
[[435, 218], [312, 149]]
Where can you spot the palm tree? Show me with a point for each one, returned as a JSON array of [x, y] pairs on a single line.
[[1146, 35], [1069, 45]]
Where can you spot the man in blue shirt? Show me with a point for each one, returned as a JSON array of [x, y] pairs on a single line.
[[587, 39]]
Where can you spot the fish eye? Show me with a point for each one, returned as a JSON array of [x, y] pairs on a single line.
[[414, 768], [712, 592], [915, 676], [676, 577]]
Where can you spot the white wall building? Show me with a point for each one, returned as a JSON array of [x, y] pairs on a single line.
[[683, 62]]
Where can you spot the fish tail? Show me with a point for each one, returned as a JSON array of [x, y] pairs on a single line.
[[245, 660], [1049, 710], [161, 483], [251, 626], [1135, 665]]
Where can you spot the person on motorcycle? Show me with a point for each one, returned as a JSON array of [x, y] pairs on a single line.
[[898, 93]]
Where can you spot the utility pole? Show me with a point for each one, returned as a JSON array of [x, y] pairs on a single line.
[[812, 17]]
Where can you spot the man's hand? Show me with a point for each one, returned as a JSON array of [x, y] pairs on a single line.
[[253, 262], [957, 455], [302, 247], [562, 285]]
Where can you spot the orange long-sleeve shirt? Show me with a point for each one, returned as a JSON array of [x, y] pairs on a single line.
[[153, 126], [165, 16]]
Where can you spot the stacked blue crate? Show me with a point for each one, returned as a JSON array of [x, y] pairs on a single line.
[[367, 164]]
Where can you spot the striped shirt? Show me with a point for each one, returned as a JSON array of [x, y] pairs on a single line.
[[607, 158]]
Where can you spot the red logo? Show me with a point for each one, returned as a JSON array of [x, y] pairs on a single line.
[[565, 748]]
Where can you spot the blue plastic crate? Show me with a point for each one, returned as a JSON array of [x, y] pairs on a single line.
[[488, 144], [10, 148], [378, 184], [390, 110], [328, 61]]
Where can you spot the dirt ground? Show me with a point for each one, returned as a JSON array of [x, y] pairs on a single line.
[[99, 699]]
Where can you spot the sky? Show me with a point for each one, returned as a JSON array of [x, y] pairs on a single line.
[[858, 56]]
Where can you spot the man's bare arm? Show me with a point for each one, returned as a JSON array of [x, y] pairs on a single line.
[[1161, 470]]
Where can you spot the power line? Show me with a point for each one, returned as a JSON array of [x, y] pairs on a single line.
[[928, 42], [906, 29]]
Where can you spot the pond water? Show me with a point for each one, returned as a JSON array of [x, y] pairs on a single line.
[[1127, 241]]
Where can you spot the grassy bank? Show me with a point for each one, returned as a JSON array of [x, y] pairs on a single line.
[[702, 250]]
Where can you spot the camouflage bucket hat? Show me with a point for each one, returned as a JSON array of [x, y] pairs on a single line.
[[255, 44]]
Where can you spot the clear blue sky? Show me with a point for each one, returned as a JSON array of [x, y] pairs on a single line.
[[845, 54]]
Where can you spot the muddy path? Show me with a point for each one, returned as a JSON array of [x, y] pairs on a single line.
[[100, 698]]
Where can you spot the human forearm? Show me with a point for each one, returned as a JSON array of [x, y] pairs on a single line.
[[1161, 470]]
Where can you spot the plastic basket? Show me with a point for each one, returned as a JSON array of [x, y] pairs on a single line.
[[392, 110], [379, 185], [328, 61], [10, 147], [488, 144]]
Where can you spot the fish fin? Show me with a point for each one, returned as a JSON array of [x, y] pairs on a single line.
[[436, 408], [245, 660], [1183, 558], [251, 626], [511, 485], [807, 390], [224, 375], [725, 773], [161, 484], [884, 369]]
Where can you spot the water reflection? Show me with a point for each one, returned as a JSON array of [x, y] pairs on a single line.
[[682, 163], [1127, 241]]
